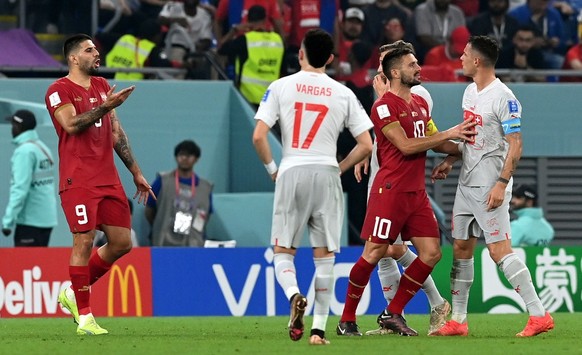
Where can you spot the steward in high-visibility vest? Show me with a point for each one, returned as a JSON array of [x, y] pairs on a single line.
[[258, 55], [129, 52], [263, 65]]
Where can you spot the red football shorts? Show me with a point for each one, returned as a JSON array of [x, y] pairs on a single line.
[[392, 213], [88, 208]]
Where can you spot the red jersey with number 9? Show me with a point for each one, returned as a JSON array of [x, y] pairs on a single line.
[[397, 171], [86, 158]]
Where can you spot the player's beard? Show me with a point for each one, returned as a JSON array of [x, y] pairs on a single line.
[[90, 69], [410, 81]]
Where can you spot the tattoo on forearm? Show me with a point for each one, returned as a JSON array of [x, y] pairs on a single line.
[[123, 149], [87, 119]]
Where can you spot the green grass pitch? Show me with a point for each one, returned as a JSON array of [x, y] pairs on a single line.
[[488, 334]]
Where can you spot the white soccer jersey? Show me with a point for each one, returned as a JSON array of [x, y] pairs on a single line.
[[483, 160], [374, 165], [312, 109]]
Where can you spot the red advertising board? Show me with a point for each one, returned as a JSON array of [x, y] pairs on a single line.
[[31, 279]]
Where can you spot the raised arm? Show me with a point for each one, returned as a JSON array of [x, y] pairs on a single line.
[[408, 146], [74, 123]]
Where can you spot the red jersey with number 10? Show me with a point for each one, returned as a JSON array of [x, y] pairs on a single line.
[[86, 158], [397, 171]]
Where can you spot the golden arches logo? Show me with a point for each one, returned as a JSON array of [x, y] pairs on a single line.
[[123, 277]]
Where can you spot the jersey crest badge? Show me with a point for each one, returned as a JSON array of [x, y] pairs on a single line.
[[383, 111], [266, 95], [513, 106], [54, 99]]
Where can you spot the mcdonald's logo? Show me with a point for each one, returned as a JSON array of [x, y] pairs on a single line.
[[123, 278]]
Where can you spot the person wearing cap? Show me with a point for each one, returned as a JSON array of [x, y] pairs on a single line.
[[351, 28], [448, 56], [31, 211], [530, 228], [258, 55]]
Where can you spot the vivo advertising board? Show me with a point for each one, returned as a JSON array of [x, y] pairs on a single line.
[[241, 281]]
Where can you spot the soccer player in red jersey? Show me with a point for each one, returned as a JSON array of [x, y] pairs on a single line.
[[398, 203], [82, 107]]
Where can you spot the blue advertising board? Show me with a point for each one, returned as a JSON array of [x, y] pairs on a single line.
[[241, 281]]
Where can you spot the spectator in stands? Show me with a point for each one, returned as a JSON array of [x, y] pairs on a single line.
[[351, 29], [530, 228], [189, 35], [376, 15], [549, 27], [152, 8], [32, 209], [184, 202], [304, 16], [434, 21], [522, 55], [470, 8], [140, 51], [570, 10], [448, 56], [495, 23], [573, 61], [231, 14], [258, 55]]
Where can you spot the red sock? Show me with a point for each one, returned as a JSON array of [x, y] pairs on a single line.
[[418, 272], [97, 268], [360, 275], [80, 285]]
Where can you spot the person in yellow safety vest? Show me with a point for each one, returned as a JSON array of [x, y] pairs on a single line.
[[139, 51], [258, 55]]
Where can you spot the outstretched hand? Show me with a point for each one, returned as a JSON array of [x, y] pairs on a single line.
[[144, 190], [464, 131], [115, 99]]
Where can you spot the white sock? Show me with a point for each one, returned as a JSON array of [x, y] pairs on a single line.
[[519, 277], [389, 276], [432, 293], [323, 291], [462, 275], [286, 274]]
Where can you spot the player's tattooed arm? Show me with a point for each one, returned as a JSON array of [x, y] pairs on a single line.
[[87, 119], [121, 142]]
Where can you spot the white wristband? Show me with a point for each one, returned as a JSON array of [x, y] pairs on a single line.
[[271, 167]]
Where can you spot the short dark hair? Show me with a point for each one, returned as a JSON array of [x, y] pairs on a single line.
[[73, 42], [189, 147], [318, 46], [487, 47], [398, 44], [256, 13], [393, 58]]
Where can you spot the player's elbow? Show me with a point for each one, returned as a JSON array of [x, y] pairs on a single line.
[[258, 138]]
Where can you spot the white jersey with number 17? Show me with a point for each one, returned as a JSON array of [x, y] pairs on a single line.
[[312, 110]]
